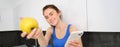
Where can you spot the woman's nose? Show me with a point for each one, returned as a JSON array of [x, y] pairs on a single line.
[[50, 19]]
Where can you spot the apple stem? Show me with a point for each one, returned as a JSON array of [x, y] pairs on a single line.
[[32, 28]]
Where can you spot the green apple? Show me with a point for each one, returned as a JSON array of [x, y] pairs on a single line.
[[27, 24]]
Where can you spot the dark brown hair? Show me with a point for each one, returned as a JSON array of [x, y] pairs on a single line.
[[51, 6]]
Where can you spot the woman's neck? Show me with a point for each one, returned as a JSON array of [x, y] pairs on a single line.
[[60, 25]]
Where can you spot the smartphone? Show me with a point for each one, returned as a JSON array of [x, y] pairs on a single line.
[[76, 35]]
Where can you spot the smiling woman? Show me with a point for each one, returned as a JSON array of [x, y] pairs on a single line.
[[13, 10], [100, 18], [59, 30]]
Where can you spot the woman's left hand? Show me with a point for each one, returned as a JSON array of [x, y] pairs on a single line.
[[75, 43]]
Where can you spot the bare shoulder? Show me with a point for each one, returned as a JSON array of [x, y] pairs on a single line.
[[73, 28]]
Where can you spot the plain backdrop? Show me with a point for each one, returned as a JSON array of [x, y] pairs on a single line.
[[86, 15]]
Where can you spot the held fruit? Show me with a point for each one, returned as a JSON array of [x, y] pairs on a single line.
[[28, 24]]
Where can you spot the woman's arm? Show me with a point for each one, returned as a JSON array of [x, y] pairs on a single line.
[[38, 34], [43, 40], [75, 43]]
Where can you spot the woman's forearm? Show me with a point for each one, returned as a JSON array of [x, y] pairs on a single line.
[[42, 41]]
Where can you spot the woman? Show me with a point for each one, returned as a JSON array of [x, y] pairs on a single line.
[[59, 30]]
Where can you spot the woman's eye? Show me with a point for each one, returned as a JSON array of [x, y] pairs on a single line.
[[46, 17], [51, 14]]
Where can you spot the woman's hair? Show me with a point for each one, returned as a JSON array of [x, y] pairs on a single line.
[[51, 6]]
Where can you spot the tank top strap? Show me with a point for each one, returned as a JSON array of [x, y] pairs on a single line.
[[53, 35], [68, 28], [68, 31]]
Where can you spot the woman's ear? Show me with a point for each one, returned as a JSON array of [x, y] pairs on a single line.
[[59, 13]]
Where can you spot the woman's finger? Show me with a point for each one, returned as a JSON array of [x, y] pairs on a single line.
[[76, 41], [36, 37], [72, 43], [23, 34], [38, 33], [32, 33]]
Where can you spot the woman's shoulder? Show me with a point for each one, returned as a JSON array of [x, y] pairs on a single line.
[[73, 28]]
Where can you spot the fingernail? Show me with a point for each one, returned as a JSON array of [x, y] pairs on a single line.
[[25, 32], [28, 37]]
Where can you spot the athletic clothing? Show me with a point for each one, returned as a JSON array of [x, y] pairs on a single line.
[[60, 42]]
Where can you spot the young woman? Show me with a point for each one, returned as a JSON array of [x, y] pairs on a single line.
[[59, 30]]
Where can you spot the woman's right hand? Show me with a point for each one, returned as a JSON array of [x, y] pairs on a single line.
[[35, 34]]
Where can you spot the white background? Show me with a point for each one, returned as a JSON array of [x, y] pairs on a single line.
[[71, 13], [86, 15], [103, 15]]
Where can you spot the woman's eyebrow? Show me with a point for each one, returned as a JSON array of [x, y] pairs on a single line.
[[50, 12]]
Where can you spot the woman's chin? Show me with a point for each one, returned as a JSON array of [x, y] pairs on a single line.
[[53, 24]]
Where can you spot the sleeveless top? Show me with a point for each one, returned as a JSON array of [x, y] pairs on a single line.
[[60, 42]]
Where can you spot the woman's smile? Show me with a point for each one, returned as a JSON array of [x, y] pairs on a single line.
[[52, 21]]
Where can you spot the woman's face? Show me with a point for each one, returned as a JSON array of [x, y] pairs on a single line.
[[52, 16]]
